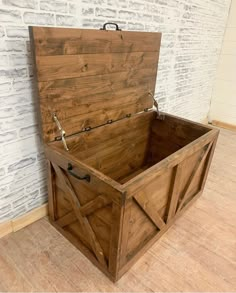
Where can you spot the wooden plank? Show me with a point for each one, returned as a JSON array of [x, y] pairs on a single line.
[[66, 41], [115, 239], [97, 203], [174, 194], [125, 232], [147, 207], [52, 209], [106, 84], [192, 176], [66, 219], [82, 220], [85, 210], [73, 66], [208, 163]]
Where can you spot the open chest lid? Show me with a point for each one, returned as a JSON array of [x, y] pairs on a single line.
[[87, 78]]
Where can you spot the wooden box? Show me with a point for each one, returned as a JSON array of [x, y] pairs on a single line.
[[119, 171]]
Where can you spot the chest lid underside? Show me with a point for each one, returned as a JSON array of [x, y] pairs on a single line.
[[89, 78]]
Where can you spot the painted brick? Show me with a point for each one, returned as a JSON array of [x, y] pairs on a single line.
[[23, 85], [3, 191], [10, 16], [134, 5], [3, 61], [15, 46], [96, 2], [125, 14], [20, 202], [105, 12], [64, 20], [13, 73], [5, 87], [2, 172], [24, 109], [21, 164], [7, 136], [29, 130], [51, 5], [6, 113], [2, 33], [10, 197], [14, 100], [17, 32], [20, 59], [88, 11], [39, 18], [17, 212], [31, 4], [72, 8], [118, 3]]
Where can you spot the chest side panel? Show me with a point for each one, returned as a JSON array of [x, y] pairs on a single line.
[[88, 77]]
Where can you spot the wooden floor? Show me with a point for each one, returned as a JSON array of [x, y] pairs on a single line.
[[197, 254]]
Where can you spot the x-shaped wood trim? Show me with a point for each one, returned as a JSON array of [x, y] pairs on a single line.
[[87, 209], [95, 245], [149, 210], [197, 166]]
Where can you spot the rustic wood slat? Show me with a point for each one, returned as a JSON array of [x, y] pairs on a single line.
[[85, 210], [115, 239], [72, 66], [174, 194], [97, 203], [78, 123], [149, 211], [66, 220], [51, 193], [61, 41], [82, 220], [192, 175]]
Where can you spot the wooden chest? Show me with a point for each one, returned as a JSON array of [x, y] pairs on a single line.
[[119, 171]]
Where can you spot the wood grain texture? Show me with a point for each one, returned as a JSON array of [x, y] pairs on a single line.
[[61, 41], [87, 84], [202, 240]]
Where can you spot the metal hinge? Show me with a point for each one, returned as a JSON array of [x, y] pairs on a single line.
[[63, 133], [160, 116]]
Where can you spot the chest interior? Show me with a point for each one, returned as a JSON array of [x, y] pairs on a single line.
[[126, 148]]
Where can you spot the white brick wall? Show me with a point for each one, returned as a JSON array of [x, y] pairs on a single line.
[[192, 37]]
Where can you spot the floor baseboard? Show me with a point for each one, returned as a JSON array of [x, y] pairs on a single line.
[[223, 125], [23, 221]]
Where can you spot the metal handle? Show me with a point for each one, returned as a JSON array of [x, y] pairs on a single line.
[[70, 168], [111, 23]]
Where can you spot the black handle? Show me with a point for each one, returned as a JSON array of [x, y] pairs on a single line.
[[111, 23], [70, 168]]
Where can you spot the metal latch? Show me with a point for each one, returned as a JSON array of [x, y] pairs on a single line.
[[63, 133], [160, 116]]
